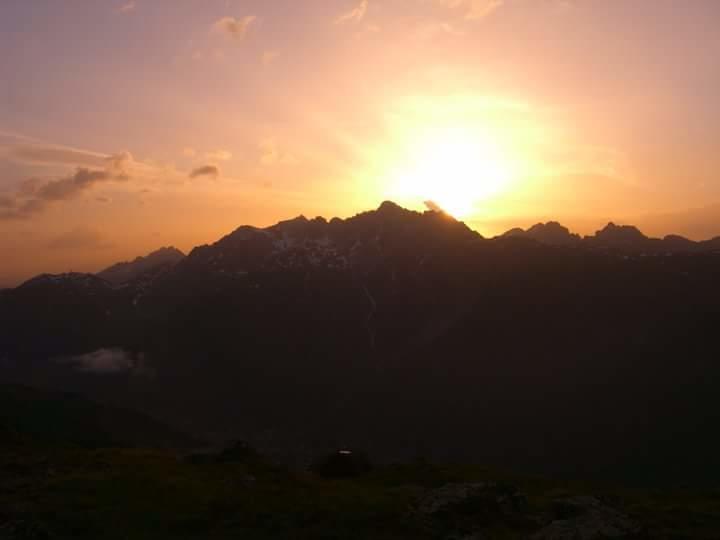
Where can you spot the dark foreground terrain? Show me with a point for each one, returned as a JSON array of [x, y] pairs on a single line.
[[150, 494], [99, 482]]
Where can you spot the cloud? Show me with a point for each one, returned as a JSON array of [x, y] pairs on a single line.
[[127, 7], [6, 202], [432, 205], [120, 163], [473, 9], [21, 209], [431, 29], [271, 154], [34, 195], [80, 238], [219, 155], [235, 28], [211, 171], [109, 362], [54, 155], [355, 15], [70, 186], [268, 57], [189, 152], [29, 187]]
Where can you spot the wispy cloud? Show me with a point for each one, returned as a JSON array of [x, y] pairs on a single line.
[[127, 7], [80, 238], [473, 10], [45, 154], [210, 171], [109, 362], [355, 15], [34, 195], [271, 153], [268, 57], [235, 28], [219, 155]]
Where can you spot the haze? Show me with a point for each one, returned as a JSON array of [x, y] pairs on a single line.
[[127, 125]]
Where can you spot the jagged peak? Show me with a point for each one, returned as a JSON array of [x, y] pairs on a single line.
[[390, 206], [549, 226], [75, 278], [677, 238], [516, 231], [629, 232], [166, 250], [299, 219]]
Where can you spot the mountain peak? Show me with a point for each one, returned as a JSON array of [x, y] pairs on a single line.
[[123, 272], [551, 233], [620, 233], [168, 250], [389, 206]]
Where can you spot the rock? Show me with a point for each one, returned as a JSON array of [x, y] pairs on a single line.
[[503, 500], [473, 536], [588, 518], [342, 464], [23, 530], [463, 511]]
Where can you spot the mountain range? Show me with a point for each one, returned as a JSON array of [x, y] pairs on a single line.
[[619, 238], [406, 334], [125, 272]]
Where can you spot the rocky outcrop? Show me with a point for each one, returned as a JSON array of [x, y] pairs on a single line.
[[588, 518], [466, 510], [127, 271]]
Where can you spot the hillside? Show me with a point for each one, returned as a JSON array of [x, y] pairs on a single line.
[[37, 417], [125, 272], [113, 494], [406, 334]]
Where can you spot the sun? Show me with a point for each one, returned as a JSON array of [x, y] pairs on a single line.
[[451, 167]]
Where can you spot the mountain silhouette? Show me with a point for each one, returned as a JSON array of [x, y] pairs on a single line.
[[57, 418], [551, 233], [403, 332], [127, 271], [625, 239]]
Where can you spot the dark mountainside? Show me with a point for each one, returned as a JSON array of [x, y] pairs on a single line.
[[33, 417], [618, 238], [407, 335], [159, 260]]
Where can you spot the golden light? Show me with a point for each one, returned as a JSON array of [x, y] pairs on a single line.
[[454, 167]]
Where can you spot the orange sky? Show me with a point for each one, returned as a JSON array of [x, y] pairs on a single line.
[[125, 126]]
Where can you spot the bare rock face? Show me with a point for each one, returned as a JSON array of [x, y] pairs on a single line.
[[23, 530], [464, 511], [587, 518], [488, 495]]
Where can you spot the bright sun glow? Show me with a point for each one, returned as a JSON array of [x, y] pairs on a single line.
[[454, 168]]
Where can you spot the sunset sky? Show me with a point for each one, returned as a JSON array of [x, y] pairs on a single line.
[[129, 125]]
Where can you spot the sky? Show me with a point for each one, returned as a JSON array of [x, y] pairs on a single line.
[[127, 125]]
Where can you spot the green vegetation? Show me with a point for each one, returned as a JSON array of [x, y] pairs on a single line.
[[144, 494], [70, 468], [51, 418]]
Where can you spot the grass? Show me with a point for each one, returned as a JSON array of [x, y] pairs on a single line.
[[146, 494]]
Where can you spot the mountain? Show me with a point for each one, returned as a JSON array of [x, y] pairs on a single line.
[[29, 415], [551, 233], [623, 239], [404, 334], [125, 272], [354, 244], [712, 245]]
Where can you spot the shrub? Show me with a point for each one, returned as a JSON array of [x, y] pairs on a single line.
[[342, 464]]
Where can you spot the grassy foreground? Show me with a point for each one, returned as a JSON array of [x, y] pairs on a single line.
[[144, 494]]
